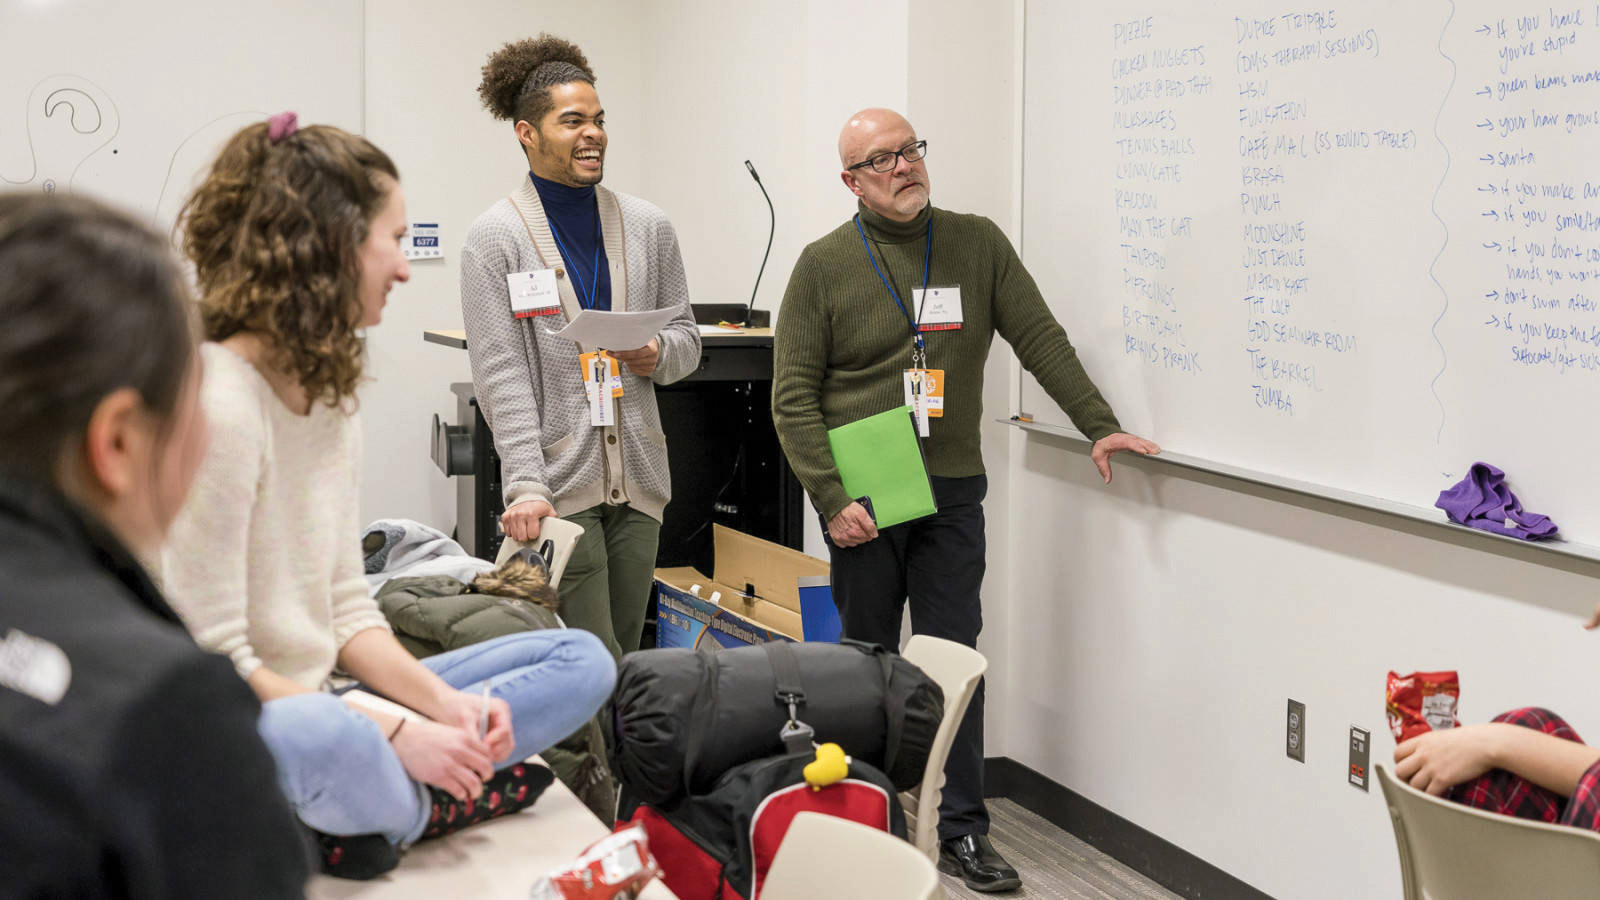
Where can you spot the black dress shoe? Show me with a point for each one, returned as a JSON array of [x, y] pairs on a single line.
[[974, 860]]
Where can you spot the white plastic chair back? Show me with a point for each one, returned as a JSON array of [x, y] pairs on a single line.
[[956, 668], [831, 858], [1454, 852], [557, 539]]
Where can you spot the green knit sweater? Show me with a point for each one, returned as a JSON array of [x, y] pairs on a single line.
[[842, 344]]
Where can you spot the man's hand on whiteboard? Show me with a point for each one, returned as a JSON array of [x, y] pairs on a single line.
[[852, 526], [1118, 442]]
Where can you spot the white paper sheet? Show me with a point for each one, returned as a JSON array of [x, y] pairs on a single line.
[[617, 330]]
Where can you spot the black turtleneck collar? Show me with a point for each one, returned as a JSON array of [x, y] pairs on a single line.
[[43, 509], [889, 231], [563, 201]]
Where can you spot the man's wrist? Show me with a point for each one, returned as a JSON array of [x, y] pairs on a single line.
[[833, 507], [527, 504]]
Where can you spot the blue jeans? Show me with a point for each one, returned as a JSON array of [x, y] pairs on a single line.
[[342, 776]]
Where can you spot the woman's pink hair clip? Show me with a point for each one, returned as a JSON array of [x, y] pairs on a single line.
[[281, 126]]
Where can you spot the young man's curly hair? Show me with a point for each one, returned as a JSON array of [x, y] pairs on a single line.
[[518, 77], [275, 233]]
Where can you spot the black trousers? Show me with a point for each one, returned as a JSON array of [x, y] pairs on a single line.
[[937, 563]]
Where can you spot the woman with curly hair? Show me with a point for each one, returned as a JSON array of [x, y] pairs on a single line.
[[101, 690], [560, 244], [295, 240]]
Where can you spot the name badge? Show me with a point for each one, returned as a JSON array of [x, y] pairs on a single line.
[[602, 383], [925, 396], [533, 293], [939, 309]]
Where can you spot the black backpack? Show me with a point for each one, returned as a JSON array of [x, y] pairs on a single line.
[[680, 718]]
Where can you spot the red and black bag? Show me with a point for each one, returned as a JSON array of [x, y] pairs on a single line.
[[718, 845]]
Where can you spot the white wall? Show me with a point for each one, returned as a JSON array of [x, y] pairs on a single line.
[[1159, 626]]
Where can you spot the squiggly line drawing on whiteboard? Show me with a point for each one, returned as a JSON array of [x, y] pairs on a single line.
[[1444, 355], [76, 119], [193, 160]]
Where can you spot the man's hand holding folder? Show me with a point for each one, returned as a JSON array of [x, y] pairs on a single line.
[[852, 527], [880, 462]]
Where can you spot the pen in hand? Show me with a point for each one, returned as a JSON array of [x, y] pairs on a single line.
[[483, 712]]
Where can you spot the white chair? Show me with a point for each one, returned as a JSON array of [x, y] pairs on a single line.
[[956, 668], [1454, 852], [826, 856], [557, 539]]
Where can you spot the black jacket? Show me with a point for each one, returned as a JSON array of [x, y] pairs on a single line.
[[145, 776]]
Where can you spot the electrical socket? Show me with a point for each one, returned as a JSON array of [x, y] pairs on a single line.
[[1297, 731], [1360, 756]]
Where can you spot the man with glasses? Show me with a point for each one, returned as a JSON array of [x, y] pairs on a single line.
[[855, 332]]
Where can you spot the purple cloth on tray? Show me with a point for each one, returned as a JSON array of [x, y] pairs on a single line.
[[1482, 501]]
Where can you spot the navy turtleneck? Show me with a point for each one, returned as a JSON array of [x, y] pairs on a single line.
[[575, 219]]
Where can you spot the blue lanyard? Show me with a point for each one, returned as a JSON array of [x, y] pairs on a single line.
[[916, 333], [587, 300]]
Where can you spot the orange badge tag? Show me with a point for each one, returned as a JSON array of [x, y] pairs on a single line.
[[932, 390], [586, 365]]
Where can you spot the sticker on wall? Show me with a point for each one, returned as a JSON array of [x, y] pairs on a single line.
[[422, 241]]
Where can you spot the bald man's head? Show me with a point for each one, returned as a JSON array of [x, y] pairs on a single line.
[[856, 139], [899, 194]]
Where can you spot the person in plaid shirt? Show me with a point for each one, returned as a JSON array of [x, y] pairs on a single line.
[[1527, 763]]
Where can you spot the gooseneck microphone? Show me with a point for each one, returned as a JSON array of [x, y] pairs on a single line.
[[772, 228]]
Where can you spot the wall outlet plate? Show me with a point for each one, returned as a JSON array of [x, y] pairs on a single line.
[[1360, 756], [1296, 740]]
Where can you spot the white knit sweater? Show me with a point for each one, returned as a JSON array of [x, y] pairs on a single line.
[[264, 561]]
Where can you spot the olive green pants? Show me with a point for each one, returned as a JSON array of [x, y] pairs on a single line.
[[606, 585]]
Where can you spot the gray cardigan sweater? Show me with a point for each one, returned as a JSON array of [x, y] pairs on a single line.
[[527, 380]]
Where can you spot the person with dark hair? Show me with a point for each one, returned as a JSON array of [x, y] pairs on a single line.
[[130, 765], [560, 244], [856, 333], [295, 237]]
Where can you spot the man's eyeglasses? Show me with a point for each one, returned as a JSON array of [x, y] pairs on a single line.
[[886, 161]]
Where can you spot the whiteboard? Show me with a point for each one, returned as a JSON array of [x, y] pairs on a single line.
[[1356, 245], [131, 101]]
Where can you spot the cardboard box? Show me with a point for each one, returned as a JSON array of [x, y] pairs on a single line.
[[687, 616]]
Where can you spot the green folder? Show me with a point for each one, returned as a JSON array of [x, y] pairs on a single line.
[[880, 460]]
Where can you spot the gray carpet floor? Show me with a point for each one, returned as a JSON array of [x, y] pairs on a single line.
[[1054, 864]]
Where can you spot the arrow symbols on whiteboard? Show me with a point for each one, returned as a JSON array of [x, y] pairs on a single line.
[[1492, 295], [1486, 124], [1495, 214], [1483, 91], [1492, 245], [1482, 29]]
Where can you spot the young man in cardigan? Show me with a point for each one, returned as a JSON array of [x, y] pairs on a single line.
[[578, 434], [851, 337]]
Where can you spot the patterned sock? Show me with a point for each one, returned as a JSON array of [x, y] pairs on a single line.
[[512, 788], [355, 856]]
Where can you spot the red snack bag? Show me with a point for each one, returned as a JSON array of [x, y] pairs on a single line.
[[1422, 701], [615, 867]]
